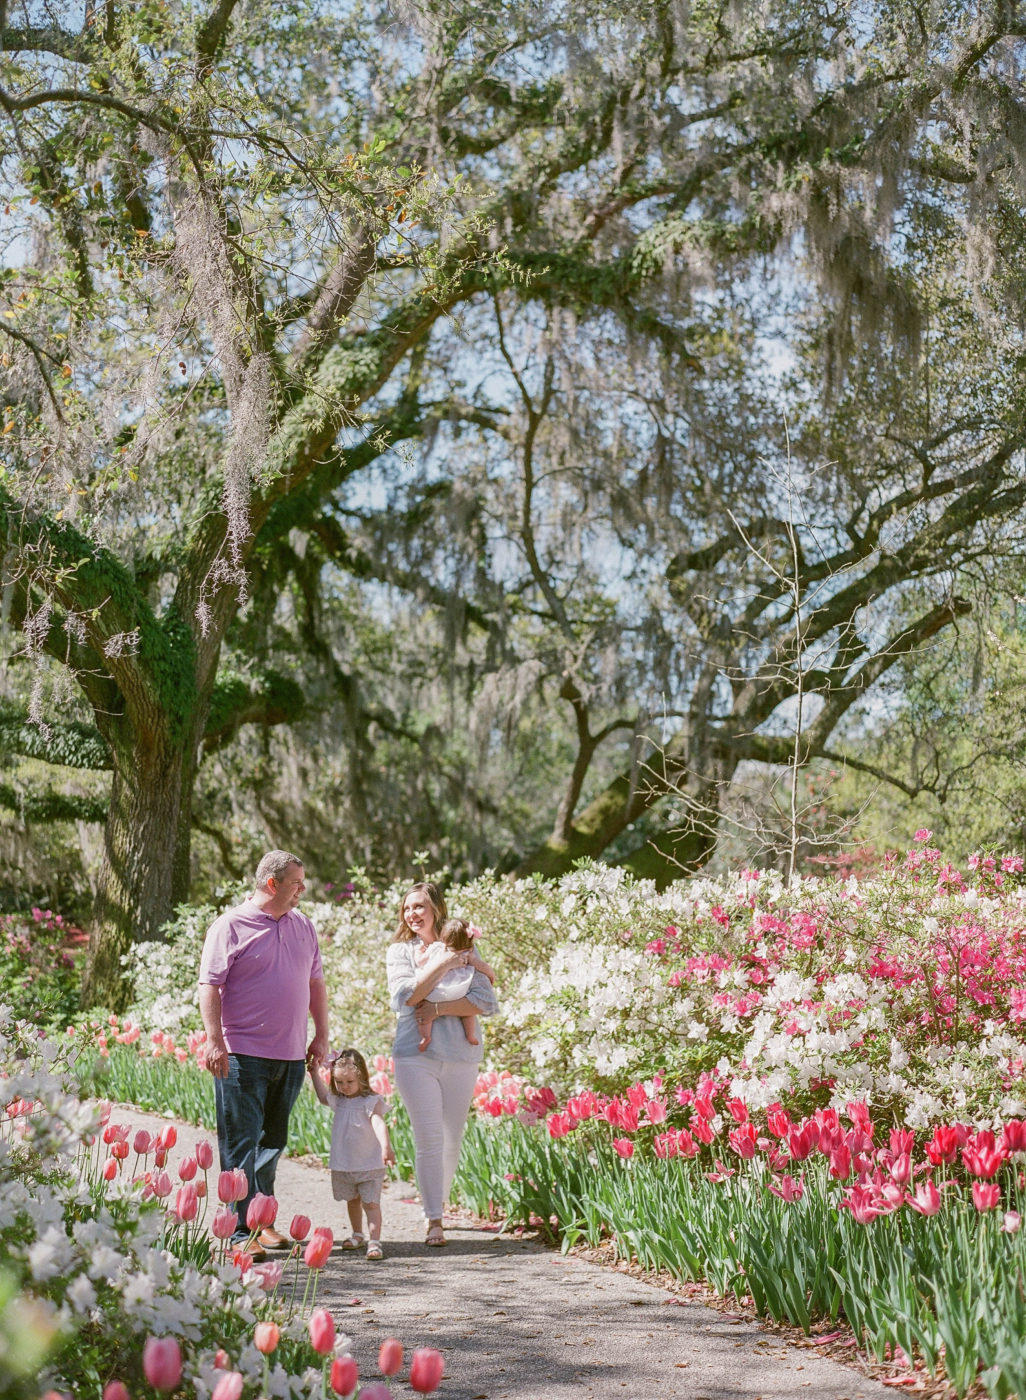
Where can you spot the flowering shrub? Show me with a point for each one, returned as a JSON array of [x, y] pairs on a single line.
[[36, 969], [906, 990], [108, 1277]]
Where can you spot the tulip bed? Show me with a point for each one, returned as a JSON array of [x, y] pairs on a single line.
[[110, 1285]]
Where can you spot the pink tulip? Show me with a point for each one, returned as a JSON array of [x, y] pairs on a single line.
[[901, 1169], [162, 1185], [222, 1361], [269, 1275], [186, 1203], [344, 1375], [232, 1186], [863, 1204], [116, 1390], [119, 1150], [986, 1195], [744, 1141], [315, 1256], [187, 1168], [224, 1223], [300, 1228], [377, 1390], [426, 1369], [143, 1144], [162, 1362], [261, 1212], [927, 1199], [322, 1331], [229, 1387], [266, 1336], [1010, 1224], [624, 1148], [204, 1155], [789, 1189], [390, 1357]]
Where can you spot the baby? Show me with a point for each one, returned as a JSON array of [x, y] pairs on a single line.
[[454, 937]]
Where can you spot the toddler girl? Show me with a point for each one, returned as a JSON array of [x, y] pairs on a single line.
[[453, 937], [360, 1145]]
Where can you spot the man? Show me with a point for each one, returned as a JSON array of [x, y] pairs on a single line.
[[260, 977]]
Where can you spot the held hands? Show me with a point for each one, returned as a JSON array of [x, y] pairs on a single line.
[[316, 1051], [216, 1058]]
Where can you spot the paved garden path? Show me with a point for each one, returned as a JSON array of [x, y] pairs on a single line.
[[518, 1321]]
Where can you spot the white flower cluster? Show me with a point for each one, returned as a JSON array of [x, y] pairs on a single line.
[[76, 1252]]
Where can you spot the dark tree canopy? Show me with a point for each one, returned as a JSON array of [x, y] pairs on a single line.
[[488, 318]]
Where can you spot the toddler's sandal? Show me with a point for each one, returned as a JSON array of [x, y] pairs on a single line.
[[374, 1250], [356, 1241]]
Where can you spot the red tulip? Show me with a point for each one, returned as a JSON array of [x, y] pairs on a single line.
[[162, 1362], [116, 1390], [322, 1331], [119, 1150], [426, 1370], [315, 1256], [344, 1375], [266, 1336], [300, 1228], [168, 1137], [143, 1144], [390, 1357], [110, 1169], [229, 1387]]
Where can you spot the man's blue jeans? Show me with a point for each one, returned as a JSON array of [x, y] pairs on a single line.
[[253, 1102]]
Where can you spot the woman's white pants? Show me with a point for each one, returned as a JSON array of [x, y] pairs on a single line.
[[437, 1095]]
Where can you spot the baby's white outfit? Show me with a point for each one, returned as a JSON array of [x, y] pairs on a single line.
[[453, 985]]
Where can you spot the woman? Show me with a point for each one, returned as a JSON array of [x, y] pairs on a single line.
[[437, 1083]]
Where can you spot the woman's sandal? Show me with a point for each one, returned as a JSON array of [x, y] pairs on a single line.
[[355, 1241], [436, 1237]]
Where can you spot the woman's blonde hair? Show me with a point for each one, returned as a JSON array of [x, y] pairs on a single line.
[[434, 896]]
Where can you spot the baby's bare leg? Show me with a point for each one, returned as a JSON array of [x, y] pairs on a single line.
[[470, 1029], [425, 1033]]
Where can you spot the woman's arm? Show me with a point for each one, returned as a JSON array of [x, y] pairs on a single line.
[[430, 978]]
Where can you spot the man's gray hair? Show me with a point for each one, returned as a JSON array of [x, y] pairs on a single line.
[[273, 866]]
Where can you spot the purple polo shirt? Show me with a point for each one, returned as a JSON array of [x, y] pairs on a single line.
[[264, 968]]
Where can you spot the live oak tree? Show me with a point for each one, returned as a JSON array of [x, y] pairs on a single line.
[[254, 253]]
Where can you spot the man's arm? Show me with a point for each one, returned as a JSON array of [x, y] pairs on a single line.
[[318, 1047], [215, 1051]]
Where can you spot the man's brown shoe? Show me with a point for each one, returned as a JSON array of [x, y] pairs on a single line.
[[270, 1238]]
